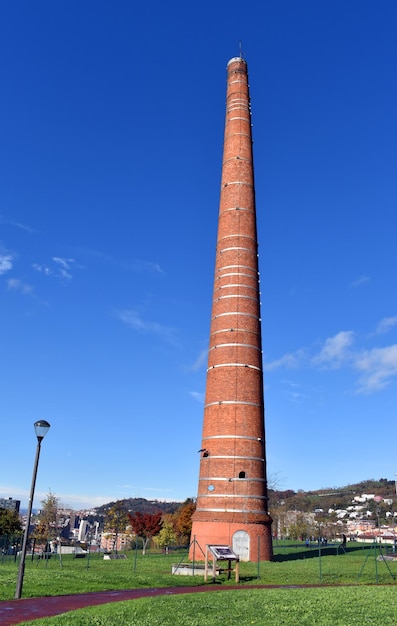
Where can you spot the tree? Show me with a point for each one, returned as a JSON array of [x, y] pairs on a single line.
[[146, 526], [167, 535], [301, 528], [116, 521], [183, 520], [10, 523], [47, 528]]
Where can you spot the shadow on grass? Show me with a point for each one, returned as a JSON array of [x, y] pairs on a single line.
[[313, 553]]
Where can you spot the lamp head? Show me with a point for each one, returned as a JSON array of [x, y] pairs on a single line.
[[41, 428]]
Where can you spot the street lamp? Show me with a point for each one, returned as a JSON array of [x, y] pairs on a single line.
[[41, 429]]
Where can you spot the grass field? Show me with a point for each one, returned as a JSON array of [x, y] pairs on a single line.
[[293, 566], [346, 606]]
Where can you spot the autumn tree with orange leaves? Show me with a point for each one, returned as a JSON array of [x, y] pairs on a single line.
[[183, 521]]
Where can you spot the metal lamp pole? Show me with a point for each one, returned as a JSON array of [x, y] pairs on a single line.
[[41, 429]]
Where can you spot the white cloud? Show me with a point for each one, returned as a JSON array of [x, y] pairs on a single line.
[[65, 274], [360, 281], [292, 391], [198, 396], [136, 265], [83, 501], [296, 397], [289, 360], [73, 500], [336, 349], [379, 366], [200, 361], [43, 269], [65, 263], [27, 229], [18, 285], [290, 383], [4, 220], [132, 318], [386, 324], [5, 263], [135, 321], [61, 269]]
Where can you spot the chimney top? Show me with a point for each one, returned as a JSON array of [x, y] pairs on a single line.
[[237, 60]]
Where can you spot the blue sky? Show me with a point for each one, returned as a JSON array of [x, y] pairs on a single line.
[[112, 120]]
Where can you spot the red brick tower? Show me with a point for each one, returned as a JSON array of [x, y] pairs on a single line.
[[232, 504]]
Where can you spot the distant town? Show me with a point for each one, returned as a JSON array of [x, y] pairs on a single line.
[[363, 512]]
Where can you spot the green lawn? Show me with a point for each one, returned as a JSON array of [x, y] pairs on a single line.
[[292, 566], [346, 606]]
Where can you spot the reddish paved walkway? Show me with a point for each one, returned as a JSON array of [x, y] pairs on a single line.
[[16, 611]]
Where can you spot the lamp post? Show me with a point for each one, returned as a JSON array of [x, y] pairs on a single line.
[[41, 429]]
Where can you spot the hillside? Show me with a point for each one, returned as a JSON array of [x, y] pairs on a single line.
[[289, 500], [133, 505], [332, 498]]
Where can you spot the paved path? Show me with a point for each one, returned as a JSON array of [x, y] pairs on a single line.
[[17, 611]]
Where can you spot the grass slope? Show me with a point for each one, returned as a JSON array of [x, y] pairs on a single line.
[[347, 606]]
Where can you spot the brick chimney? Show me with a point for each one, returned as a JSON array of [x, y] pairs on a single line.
[[232, 503]]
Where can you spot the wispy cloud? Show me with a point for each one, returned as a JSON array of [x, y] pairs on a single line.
[[386, 324], [24, 227], [198, 396], [142, 266], [64, 266], [290, 383], [292, 391], [17, 285], [42, 269], [83, 501], [290, 360], [133, 319], [139, 266], [336, 349], [73, 500], [5, 263], [59, 268], [200, 361], [4, 220], [297, 397], [360, 281], [379, 366]]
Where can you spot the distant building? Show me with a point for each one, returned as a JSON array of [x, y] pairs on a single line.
[[115, 541], [83, 529], [10, 504]]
